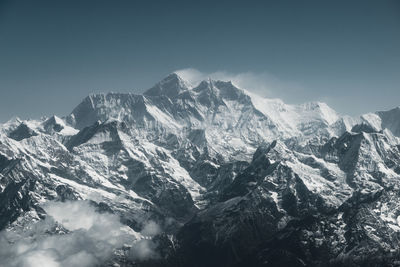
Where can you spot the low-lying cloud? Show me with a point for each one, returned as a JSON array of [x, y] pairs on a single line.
[[144, 249], [74, 234]]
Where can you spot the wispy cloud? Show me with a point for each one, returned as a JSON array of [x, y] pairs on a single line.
[[143, 249], [146, 248], [261, 83]]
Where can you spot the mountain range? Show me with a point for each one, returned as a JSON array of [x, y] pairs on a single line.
[[205, 175]]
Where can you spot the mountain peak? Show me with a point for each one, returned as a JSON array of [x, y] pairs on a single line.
[[170, 86], [322, 110], [54, 123], [224, 89]]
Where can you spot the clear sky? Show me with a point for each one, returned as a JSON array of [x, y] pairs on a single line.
[[53, 53]]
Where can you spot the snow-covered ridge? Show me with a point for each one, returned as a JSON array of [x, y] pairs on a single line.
[[175, 104], [230, 117], [172, 100], [210, 151]]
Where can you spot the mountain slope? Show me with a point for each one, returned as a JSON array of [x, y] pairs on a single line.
[[207, 175]]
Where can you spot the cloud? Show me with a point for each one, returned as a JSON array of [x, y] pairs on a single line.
[[144, 249], [151, 229], [261, 83], [73, 234]]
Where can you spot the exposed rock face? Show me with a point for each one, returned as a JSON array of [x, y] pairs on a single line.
[[21, 132], [390, 120], [230, 179]]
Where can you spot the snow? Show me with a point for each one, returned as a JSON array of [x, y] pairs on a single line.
[[232, 130], [179, 174], [292, 118], [171, 166], [333, 192], [274, 196], [162, 117], [373, 120]]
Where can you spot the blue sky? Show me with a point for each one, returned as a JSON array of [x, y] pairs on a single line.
[[53, 53]]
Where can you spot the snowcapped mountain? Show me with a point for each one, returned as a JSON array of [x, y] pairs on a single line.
[[205, 175]]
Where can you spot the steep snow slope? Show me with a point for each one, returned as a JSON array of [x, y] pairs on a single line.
[[296, 119]]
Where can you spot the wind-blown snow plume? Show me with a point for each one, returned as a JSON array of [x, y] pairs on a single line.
[[263, 83]]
